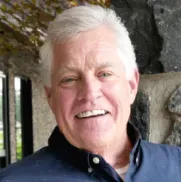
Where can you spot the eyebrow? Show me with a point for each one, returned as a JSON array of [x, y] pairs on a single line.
[[75, 69], [66, 69], [105, 65]]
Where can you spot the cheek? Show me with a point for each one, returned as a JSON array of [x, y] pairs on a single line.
[[63, 100], [117, 93]]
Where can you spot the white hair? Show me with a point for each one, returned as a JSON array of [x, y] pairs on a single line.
[[71, 22]]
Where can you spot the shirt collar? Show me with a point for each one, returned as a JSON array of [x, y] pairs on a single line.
[[81, 158], [133, 133]]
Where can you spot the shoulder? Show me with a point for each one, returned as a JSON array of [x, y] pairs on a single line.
[[158, 162], [161, 147], [43, 165], [33, 164], [161, 151]]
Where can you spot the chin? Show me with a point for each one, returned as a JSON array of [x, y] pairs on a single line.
[[97, 139], [95, 126]]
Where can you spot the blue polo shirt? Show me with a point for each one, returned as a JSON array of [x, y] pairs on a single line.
[[62, 162]]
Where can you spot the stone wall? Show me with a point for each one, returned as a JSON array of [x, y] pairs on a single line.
[[43, 119], [154, 27], [159, 88]]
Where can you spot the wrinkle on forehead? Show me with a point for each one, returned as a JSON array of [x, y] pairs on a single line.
[[88, 50], [97, 38], [73, 68]]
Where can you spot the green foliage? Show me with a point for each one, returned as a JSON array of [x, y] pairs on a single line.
[[23, 24], [1, 140], [17, 108], [1, 131], [18, 144], [18, 130], [1, 106]]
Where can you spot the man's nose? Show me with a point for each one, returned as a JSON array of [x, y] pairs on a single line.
[[90, 90]]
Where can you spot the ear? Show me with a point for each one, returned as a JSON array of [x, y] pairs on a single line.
[[48, 92], [133, 83]]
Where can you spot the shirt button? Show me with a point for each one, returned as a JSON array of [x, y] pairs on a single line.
[[90, 170], [137, 161], [96, 160]]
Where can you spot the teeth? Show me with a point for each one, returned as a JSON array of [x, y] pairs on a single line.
[[91, 113], [95, 112]]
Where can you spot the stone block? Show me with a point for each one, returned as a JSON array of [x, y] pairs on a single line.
[[168, 20], [154, 28], [140, 114], [139, 19]]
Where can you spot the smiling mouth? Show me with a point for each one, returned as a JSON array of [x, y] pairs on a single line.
[[92, 113]]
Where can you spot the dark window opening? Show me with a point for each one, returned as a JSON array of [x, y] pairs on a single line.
[[23, 116], [26, 116], [4, 121], [1, 117]]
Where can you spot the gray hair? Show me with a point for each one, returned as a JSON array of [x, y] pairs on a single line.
[[71, 22]]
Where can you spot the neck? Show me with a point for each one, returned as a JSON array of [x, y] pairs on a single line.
[[117, 154]]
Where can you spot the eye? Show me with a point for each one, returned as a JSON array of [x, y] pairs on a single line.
[[68, 80], [104, 74]]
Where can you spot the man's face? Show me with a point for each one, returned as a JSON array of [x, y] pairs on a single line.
[[90, 95]]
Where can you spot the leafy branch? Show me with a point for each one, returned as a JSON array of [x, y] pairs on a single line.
[[23, 24]]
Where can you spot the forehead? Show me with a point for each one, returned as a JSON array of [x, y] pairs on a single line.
[[98, 44]]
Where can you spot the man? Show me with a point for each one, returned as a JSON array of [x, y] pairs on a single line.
[[91, 80]]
